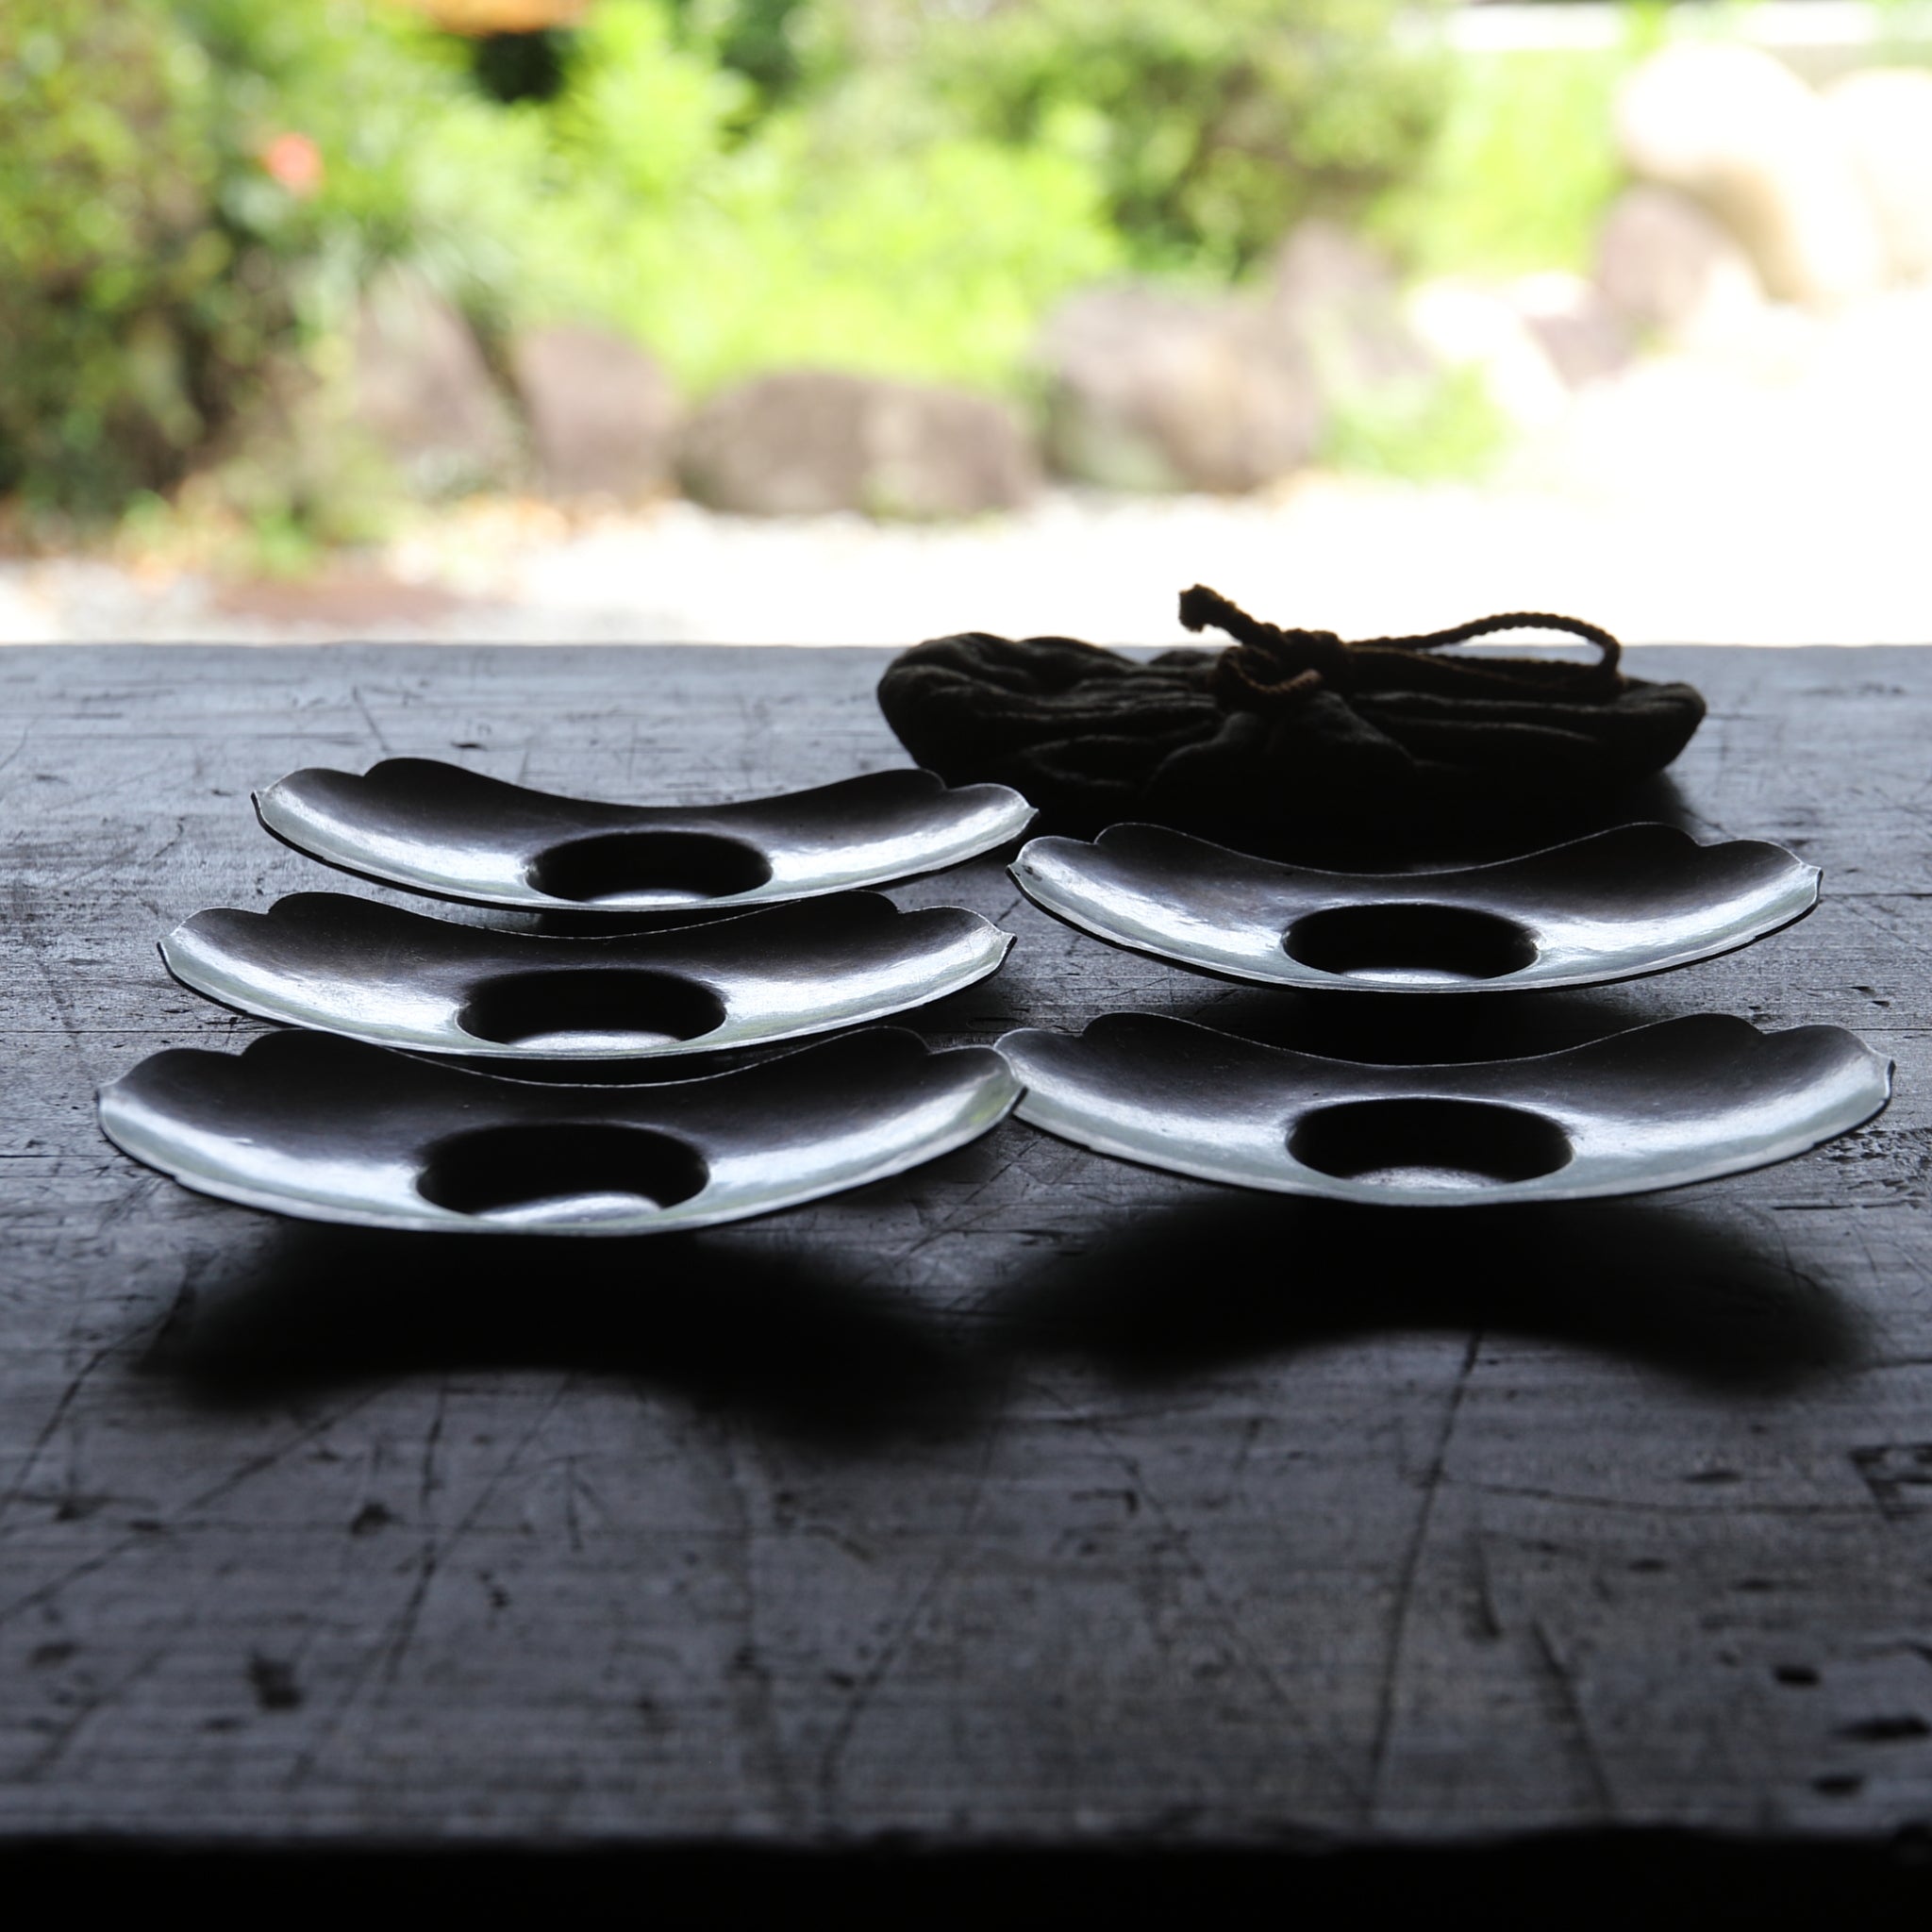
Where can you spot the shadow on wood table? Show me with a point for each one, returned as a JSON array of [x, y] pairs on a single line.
[[784, 1337], [1185, 1289], [773, 1333]]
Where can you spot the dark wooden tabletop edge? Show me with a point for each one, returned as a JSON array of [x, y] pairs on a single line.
[[1588, 1876]]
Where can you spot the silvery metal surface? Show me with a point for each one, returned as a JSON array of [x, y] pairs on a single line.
[[1634, 900], [1684, 1100], [331, 1129], [398, 978], [456, 834]]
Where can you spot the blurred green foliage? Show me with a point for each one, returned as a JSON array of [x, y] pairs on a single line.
[[768, 42], [114, 278], [1523, 168], [193, 193], [1214, 128], [188, 189], [850, 223]]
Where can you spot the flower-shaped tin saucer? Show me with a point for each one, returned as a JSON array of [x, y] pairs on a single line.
[[331, 1129], [1618, 903], [456, 834], [1659, 1107], [398, 978]]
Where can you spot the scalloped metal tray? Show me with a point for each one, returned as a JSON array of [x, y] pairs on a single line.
[[438, 828], [331, 1129], [400, 978], [1659, 1107], [1618, 903]]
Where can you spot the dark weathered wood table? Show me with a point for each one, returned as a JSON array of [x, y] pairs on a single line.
[[1030, 1499]]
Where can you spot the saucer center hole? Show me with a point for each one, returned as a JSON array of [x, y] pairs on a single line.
[[536, 1173], [623, 865], [1410, 940], [1428, 1144], [609, 1003]]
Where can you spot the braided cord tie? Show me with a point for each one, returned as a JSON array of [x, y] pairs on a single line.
[[1268, 668]]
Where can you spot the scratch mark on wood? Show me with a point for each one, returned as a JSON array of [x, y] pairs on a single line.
[[383, 1659], [1230, 1625], [859, 1701], [1574, 1726], [1392, 1654], [375, 730], [51, 1428], [91, 1706], [190, 1511]]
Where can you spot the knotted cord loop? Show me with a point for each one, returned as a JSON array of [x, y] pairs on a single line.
[[1268, 669]]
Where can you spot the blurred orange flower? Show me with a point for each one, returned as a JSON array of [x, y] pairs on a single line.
[[500, 16], [295, 162]]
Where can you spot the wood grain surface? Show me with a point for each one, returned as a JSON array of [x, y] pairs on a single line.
[[1029, 1498]]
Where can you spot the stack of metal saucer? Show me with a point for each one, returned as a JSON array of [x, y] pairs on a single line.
[[1682, 1100], [417, 1088]]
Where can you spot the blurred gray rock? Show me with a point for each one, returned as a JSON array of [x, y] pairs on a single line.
[[1667, 265], [1322, 266], [1733, 127], [603, 416], [1884, 117], [1150, 390], [1340, 302], [424, 393], [1575, 324], [809, 441]]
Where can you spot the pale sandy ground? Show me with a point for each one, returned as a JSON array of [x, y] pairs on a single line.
[[1777, 493]]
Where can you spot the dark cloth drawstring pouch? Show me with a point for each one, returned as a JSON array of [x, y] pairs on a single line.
[[1286, 729]]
